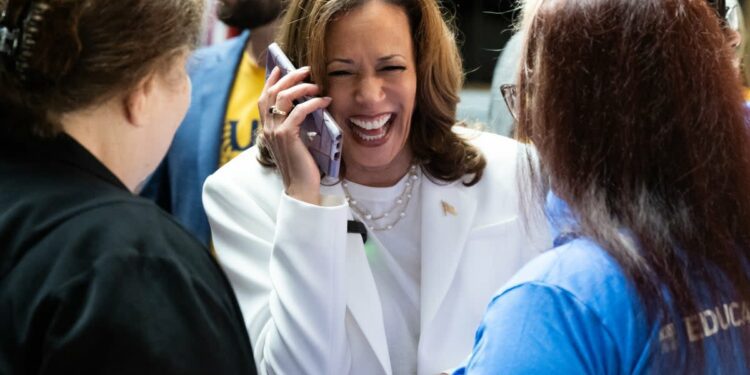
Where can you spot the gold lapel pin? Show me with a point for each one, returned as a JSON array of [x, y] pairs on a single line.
[[448, 209]]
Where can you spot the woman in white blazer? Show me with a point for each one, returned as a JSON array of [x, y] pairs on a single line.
[[440, 204]]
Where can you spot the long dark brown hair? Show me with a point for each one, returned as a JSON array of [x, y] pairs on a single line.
[[441, 152], [72, 54], [637, 114]]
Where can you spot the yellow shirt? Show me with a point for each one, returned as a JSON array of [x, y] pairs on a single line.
[[242, 120]]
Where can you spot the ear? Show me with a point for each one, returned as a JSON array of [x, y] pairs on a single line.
[[137, 102]]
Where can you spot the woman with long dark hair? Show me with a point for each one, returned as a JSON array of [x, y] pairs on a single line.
[[636, 111]]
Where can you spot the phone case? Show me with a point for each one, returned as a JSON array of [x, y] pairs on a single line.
[[319, 132]]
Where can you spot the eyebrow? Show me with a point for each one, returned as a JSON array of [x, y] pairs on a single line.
[[384, 58], [349, 61]]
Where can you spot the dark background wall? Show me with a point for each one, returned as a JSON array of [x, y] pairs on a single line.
[[484, 26]]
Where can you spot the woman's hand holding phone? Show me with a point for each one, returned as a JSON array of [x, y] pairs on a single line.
[[281, 130]]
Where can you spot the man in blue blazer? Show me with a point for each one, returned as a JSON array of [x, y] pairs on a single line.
[[222, 120]]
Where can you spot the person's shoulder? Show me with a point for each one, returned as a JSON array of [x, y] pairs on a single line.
[[245, 177], [583, 270], [572, 265], [116, 228], [497, 149], [498, 186], [244, 167], [131, 221], [137, 227], [548, 311], [484, 139], [221, 48], [206, 57], [584, 286]]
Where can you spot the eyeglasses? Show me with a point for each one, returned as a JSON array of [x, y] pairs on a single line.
[[510, 95], [732, 18]]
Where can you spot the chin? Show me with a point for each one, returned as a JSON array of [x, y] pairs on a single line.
[[381, 156], [373, 162]]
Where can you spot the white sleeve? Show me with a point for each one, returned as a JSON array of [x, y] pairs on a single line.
[[288, 275]]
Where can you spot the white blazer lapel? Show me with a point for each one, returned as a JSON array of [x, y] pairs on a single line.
[[362, 298], [363, 301], [447, 215]]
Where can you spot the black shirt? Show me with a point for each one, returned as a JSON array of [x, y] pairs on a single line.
[[96, 280]]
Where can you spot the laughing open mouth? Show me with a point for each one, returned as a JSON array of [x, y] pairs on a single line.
[[371, 130]]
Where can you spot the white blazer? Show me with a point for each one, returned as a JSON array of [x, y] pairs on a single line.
[[304, 284]]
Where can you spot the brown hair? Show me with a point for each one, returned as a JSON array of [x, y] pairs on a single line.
[[442, 153], [638, 117], [75, 53]]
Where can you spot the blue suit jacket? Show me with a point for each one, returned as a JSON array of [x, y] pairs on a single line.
[[177, 184]]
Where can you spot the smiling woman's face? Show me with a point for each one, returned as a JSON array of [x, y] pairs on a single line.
[[372, 78]]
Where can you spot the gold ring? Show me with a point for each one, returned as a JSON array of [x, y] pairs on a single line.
[[275, 111]]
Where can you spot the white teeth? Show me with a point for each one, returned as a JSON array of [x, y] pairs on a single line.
[[371, 125], [370, 138]]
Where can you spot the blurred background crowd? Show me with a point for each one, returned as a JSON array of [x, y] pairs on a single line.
[[481, 100]]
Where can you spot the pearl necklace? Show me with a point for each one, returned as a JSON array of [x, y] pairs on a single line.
[[399, 205]]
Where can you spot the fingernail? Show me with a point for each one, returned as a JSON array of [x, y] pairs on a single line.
[[305, 68], [327, 99]]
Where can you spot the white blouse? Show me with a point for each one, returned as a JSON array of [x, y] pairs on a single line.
[[396, 268]]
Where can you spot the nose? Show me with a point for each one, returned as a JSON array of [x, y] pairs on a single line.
[[369, 90]]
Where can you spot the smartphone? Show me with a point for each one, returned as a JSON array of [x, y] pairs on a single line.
[[319, 132]]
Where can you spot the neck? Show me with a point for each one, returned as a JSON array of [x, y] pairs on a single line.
[[260, 38], [99, 131], [380, 176]]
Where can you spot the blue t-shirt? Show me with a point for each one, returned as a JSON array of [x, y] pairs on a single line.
[[572, 311]]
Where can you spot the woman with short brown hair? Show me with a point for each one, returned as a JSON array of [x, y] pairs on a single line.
[[93, 279]]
